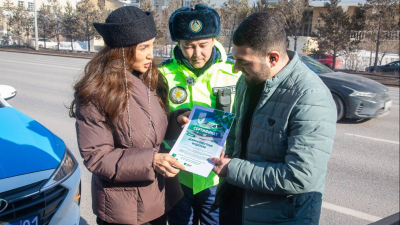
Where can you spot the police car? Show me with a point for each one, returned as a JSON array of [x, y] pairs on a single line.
[[39, 177]]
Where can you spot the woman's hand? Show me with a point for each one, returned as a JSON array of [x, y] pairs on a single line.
[[183, 119], [163, 163]]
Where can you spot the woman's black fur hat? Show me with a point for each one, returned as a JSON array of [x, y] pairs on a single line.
[[189, 24], [127, 26]]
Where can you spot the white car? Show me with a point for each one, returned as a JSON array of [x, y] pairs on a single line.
[[49, 43], [40, 180]]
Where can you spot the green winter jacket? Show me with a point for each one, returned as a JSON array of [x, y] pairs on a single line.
[[291, 138], [182, 95]]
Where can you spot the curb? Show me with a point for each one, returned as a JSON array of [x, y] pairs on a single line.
[[39, 52]]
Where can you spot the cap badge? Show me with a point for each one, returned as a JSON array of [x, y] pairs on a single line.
[[195, 26], [178, 95]]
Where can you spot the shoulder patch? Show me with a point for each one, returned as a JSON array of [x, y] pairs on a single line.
[[166, 62], [230, 61], [178, 95]]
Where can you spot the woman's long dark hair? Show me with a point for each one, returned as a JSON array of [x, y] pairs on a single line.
[[103, 84]]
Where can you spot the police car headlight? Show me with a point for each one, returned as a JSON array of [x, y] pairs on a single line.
[[363, 94], [67, 167], [368, 96]]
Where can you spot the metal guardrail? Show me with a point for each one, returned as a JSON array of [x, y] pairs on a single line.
[[388, 35]]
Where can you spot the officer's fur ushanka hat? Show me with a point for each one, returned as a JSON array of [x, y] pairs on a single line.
[[127, 26], [190, 24]]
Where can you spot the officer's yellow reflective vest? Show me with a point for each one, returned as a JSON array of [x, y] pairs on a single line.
[[181, 95]]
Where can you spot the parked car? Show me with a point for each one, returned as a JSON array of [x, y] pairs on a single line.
[[66, 45], [41, 44], [393, 66], [356, 97], [6, 40], [327, 60], [39, 177]]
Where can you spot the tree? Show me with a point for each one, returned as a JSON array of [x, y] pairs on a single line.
[[381, 19], [87, 14], [147, 6], [334, 36], [231, 13], [163, 36], [387, 46], [56, 10], [260, 6], [2, 16], [309, 46], [293, 14], [46, 22], [20, 21], [206, 2], [8, 8], [30, 27], [71, 26]]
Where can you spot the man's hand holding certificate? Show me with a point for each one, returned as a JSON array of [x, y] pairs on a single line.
[[203, 138]]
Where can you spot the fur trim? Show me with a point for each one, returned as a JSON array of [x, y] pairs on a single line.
[[189, 24]]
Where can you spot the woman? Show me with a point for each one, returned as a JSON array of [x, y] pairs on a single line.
[[121, 120]]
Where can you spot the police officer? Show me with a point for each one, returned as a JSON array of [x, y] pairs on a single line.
[[199, 73]]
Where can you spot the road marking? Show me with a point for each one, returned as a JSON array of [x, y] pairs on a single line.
[[39, 64], [375, 139], [350, 212]]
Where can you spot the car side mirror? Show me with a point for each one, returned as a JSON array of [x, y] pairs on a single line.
[[7, 92]]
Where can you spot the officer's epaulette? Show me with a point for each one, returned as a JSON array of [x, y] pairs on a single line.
[[166, 62], [231, 61]]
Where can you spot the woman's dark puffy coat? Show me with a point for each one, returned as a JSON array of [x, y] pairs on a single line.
[[125, 187]]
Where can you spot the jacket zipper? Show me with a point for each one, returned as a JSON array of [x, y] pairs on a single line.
[[247, 152], [252, 121]]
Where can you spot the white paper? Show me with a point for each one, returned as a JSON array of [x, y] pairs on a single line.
[[203, 138]]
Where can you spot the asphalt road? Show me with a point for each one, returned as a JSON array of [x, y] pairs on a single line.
[[362, 183]]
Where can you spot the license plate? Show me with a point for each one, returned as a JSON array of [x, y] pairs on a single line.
[[388, 105], [34, 220]]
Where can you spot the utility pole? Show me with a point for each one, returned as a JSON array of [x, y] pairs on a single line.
[[377, 41], [36, 30]]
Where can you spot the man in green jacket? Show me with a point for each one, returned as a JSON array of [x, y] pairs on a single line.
[[199, 73], [278, 149]]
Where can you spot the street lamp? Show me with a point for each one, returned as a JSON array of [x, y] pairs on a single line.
[[8, 29], [36, 30]]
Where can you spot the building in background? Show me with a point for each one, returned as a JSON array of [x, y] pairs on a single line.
[[109, 4], [305, 40], [29, 5]]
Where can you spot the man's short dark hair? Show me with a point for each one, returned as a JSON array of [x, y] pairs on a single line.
[[262, 32]]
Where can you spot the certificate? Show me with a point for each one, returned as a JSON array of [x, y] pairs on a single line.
[[204, 137]]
